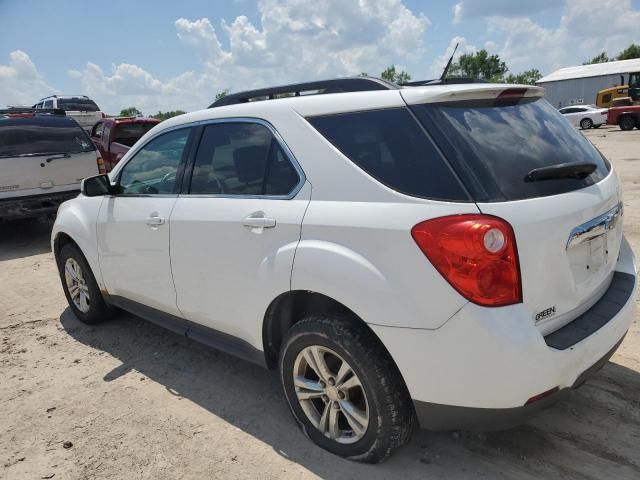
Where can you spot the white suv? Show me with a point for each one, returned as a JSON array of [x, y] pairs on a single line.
[[79, 107], [452, 254]]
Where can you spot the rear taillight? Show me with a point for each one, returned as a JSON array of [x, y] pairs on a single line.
[[476, 254], [101, 167]]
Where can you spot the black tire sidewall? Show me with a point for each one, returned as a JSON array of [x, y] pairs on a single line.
[[377, 420], [587, 122], [97, 306], [627, 123]]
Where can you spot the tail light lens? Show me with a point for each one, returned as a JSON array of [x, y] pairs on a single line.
[[101, 167], [476, 254]]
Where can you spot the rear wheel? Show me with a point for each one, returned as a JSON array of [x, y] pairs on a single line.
[[80, 286], [344, 390], [627, 123], [586, 123]]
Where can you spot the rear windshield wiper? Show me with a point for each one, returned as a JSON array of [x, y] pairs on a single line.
[[577, 170]]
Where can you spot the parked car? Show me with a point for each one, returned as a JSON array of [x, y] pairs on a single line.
[[79, 107], [626, 117], [43, 159], [585, 117], [114, 136], [450, 253]]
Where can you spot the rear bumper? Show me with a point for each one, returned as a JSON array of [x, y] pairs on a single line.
[[34, 205], [433, 416], [481, 368]]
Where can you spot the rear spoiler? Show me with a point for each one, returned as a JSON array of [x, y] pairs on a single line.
[[46, 111], [468, 91]]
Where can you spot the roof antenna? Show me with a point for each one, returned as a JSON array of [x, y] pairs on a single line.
[[443, 77]]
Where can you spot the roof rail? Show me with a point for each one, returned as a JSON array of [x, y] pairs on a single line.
[[437, 81], [336, 85], [46, 111]]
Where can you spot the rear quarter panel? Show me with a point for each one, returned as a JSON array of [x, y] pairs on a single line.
[[362, 255]]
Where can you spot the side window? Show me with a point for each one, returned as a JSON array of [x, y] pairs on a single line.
[[241, 159], [97, 129], [154, 167], [391, 147], [48, 104]]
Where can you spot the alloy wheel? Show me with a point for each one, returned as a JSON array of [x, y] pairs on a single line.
[[77, 285], [331, 394]]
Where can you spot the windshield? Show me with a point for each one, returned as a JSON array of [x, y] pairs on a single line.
[[77, 104], [493, 148], [40, 135]]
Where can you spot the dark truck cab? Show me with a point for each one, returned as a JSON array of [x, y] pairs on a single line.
[[115, 136]]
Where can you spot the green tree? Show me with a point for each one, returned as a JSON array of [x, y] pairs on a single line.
[[130, 112], [392, 75], [528, 77], [600, 58], [632, 51], [479, 65], [166, 115], [221, 94]]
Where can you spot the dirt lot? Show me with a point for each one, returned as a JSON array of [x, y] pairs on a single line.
[[136, 401]]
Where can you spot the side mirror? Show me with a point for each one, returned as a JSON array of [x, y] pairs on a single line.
[[96, 186]]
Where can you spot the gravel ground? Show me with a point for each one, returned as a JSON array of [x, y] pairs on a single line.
[[128, 400]]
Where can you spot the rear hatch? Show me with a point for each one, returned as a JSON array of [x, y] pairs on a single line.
[[521, 161], [42, 154]]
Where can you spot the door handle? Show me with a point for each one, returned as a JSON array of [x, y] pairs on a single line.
[[255, 221], [155, 221]]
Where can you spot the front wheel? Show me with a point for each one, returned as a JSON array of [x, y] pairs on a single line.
[[344, 390], [80, 286]]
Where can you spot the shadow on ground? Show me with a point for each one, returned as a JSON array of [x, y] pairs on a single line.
[[595, 433], [23, 238]]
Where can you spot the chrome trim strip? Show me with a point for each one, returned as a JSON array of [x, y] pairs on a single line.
[[595, 228], [287, 151]]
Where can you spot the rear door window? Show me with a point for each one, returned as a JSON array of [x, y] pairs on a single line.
[[42, 135], [241, 159], [392, 147], [493, 148]]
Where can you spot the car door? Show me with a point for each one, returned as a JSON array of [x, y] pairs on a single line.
[[133, 225], [234, 234], [572, 115]]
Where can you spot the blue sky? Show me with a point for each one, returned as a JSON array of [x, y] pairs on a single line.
[[168, 55]]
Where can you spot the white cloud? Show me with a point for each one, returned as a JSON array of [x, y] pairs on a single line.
[[578, 37], [293, 41], [20, 81], [501, 8]]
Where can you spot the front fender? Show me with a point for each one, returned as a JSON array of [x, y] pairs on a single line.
[[77, 219]]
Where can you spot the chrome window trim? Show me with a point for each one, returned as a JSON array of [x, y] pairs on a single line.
[[302, 178], [285, 148]]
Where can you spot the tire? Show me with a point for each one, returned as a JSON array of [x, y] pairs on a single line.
[[93, 309], [627, 123], [586, 123], [376, 389]]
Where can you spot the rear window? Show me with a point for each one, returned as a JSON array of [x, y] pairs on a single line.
[[42, 135], [493, 148], [129, 133], [77, 104], [392, 147]]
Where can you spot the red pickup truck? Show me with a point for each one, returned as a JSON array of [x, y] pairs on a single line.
[[626, 117], [115, 136]]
